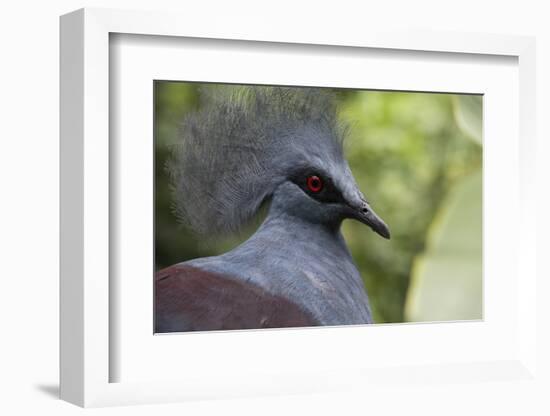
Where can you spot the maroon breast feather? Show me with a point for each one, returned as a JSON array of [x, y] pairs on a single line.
[[190, 299]]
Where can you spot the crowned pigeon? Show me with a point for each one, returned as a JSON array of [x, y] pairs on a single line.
[[282, 148]]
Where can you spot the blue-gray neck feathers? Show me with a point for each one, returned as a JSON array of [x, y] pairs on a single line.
[[306, 263]]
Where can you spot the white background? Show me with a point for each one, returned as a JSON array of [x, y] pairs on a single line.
[[29, 217]]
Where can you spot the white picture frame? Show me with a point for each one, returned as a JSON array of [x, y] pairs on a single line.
[[87, 356]]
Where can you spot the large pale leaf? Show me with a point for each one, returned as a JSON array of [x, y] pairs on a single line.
[[446, 282], [468, 114]]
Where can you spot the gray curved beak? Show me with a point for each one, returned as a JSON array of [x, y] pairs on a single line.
[[363, 212]]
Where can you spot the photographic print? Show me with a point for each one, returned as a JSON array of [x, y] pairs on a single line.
[[280, 207]]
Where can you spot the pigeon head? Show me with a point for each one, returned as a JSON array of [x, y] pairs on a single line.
[[246, 146]]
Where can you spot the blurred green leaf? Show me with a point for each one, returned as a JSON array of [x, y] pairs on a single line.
[[446, 281], [469, 115]]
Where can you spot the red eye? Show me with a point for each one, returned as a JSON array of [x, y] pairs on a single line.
[[314, 183]]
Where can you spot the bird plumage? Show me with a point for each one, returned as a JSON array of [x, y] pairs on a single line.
[[191, 299], [237, 149], [281, 147]]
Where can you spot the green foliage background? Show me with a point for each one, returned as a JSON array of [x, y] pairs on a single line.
[[410, 154]]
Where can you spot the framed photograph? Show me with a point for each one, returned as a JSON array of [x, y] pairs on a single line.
[[267, 213], [253, 185]]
